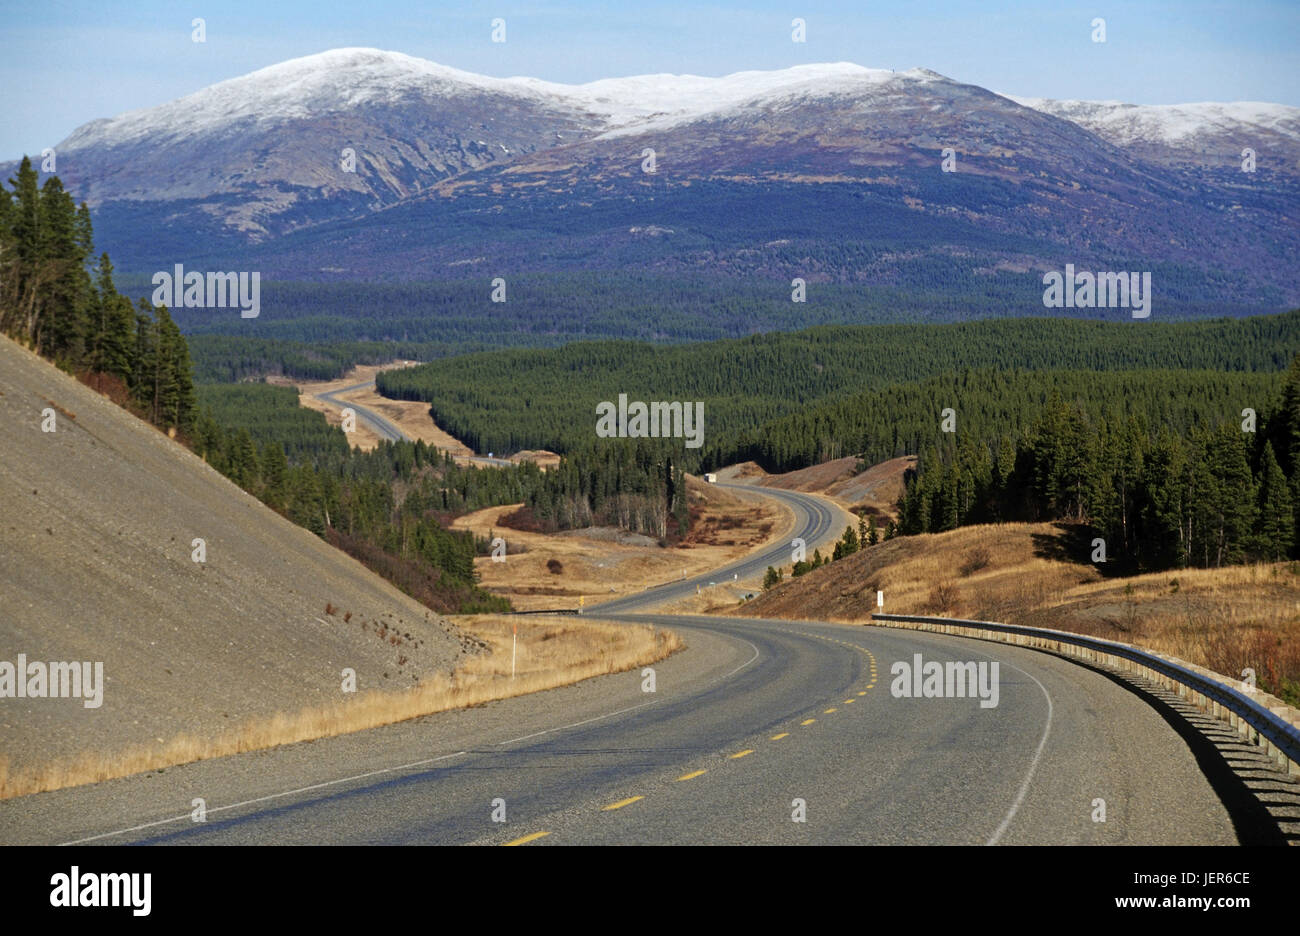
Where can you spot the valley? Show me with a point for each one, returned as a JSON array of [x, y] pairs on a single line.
[[630, 458]]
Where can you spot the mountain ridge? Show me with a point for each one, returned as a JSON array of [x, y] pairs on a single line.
[[358, 163]]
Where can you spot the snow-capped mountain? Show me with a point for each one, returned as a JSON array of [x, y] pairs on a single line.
[[265, 152], [270, 151], [1188, 134], [360, 161]]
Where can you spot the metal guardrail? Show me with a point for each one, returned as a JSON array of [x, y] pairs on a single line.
[[1270, 727]]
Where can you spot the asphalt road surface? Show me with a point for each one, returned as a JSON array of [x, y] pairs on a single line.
[[760, 732], [756, 723], [814, 520]]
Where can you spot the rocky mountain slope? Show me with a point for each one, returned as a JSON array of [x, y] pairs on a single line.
[[832, 172]]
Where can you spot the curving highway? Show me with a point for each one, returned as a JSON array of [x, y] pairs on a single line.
[[757, 715], [382, 427], [761, 732], [814, 522]]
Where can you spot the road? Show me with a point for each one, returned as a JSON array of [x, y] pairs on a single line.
[[754, 716], [757, 724], [385, 428], [814, 522]]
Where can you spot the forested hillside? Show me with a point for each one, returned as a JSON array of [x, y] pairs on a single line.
[[504, 401], [987, 404], [320, 330], [51, 300], [1209, 477]]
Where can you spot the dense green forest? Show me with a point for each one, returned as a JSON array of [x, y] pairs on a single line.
[[52, 301], [634, 484], [320, 330], [254, 432], [232, 358], [903, 419], [1190, 481], [762, 393]]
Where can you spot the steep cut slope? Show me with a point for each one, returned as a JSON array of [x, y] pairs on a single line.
[[96, 565]]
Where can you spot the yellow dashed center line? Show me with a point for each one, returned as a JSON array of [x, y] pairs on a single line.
[[690, 776], [621, 803], [527, 838], [808, 721], [829, 710], [741, 753], [849, 701], [863, 692], [778, 737]]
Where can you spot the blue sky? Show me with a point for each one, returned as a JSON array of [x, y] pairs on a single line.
[[64, 63]]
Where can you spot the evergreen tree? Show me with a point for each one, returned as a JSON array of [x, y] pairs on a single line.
[[1231, 507], [1276, 515], [275, 469], [109, 336]]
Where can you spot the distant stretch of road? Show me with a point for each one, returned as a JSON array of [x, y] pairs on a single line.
[[814, 520], [385, 428]]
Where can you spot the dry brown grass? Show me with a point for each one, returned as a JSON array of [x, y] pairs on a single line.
[[1226, 620], [550, 654], [600, 569]]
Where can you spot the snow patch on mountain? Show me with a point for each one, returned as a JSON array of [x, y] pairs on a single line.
[[341, 80], [1170, 124], [651, 106]]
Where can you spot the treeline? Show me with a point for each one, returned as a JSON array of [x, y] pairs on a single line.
[[788, 400], [267, 415], [50, 301], [232, 358], [389, 508], [635, 485], [1190, 483], [905, 419], [320, 330]]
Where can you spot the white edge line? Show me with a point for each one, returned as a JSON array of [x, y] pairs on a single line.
[[1033, 764], [373, 773], [263, 799]]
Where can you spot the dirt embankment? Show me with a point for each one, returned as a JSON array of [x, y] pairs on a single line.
[[872, 492], [105, 518], [218, 626]]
